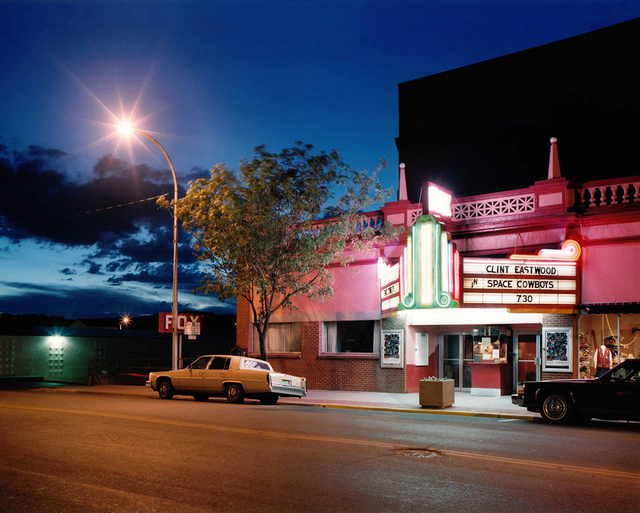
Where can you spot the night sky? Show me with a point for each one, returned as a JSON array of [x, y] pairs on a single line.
[[80, 233]]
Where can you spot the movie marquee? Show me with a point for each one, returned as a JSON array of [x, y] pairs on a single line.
[[549, 278]]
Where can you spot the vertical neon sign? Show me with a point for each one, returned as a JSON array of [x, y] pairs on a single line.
[[432, 268]]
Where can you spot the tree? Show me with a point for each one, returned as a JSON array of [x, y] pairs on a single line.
[[257, 231]]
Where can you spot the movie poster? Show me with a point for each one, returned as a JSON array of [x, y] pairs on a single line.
[[391, 349]]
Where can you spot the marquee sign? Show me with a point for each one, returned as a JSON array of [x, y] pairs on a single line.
[[431, 267], [549, 278], [390, 289]]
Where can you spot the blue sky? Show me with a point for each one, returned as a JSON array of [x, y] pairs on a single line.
[[212, 80]]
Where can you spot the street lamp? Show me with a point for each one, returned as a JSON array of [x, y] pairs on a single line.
[[127, 129], [125, 321]]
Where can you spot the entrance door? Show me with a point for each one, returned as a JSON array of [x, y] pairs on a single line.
[[527, 365], [457, 351]]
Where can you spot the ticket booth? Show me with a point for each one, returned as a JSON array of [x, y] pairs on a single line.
[[491, 369]]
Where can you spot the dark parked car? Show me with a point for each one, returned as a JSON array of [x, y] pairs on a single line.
[[614, 395]]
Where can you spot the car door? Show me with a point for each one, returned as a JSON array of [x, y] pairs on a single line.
[[190, 379], [625, 387], [614, 393], [214, 376]]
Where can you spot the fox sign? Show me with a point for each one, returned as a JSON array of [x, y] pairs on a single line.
[[165, 319]]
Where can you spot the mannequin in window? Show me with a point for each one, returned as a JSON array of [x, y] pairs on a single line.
[[603, 360]]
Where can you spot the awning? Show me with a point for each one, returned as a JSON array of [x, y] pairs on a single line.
[[611, 308]]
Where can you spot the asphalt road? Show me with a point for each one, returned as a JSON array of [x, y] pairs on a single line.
[[84, 453]]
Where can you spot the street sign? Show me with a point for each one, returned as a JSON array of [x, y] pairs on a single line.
[[192, 328]]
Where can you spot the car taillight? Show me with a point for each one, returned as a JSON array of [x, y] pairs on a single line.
[[520, 388]]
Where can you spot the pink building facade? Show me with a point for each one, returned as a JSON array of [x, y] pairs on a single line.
[[488, 290]]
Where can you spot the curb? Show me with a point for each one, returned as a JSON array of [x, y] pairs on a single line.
[[423, 411], [362, 407]]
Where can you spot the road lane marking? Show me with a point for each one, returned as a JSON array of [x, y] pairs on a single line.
[[385, 445], [614, 474], [209, 427]]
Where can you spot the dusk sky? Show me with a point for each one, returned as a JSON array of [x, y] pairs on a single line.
[[210, 80]]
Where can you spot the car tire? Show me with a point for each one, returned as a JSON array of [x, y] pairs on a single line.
[[269, 399], [165, 389], [556, 408], [235, 393], [201, 397]]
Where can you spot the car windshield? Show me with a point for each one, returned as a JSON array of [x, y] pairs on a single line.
[[625, 373]]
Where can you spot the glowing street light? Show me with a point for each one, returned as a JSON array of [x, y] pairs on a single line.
[[127, 129], [125, 321]]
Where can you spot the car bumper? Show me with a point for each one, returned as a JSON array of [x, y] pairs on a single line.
[[517, 399], [291, 391]]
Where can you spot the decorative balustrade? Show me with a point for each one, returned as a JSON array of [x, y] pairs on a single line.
[[589, 195], [367, 220], [493, 207], [598, 194]]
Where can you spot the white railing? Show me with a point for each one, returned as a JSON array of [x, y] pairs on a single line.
[[598, 194], [494, 207]]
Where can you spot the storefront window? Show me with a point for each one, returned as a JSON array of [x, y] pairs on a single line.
[[351, 337], [606, 340], [281, 338]]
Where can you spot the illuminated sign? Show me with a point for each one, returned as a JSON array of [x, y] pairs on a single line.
[[165, 324], [549, 278], [438, 201], [431, 264], [390, 289]]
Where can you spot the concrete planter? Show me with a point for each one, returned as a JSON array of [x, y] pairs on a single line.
[[436, 394]]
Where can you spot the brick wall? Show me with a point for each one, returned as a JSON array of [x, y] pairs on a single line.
[[337, 372]]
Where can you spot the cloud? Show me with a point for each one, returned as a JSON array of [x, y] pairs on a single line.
[[37, 200], [112, 249], [73, 302]]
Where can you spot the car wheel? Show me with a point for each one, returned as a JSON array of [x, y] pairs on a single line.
[[269, 399], [165, 389], [235, 393], [201, 397], [556, 408]]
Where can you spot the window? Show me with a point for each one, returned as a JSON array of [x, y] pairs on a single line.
[[351, 337], [201, 363], [220, 363], [255, 364], [281, 338]]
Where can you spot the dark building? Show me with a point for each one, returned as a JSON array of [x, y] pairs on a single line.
[[486, 127]]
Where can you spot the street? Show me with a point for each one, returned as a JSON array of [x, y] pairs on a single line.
[[92, 453]]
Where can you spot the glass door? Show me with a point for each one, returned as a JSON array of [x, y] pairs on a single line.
[[451, 357], [457, 351], [527, 364]]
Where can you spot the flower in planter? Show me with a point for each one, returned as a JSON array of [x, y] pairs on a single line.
[[433, 378]]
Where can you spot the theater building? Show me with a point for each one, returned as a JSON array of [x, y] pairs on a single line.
[[487, 289]]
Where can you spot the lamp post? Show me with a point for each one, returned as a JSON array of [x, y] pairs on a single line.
[[127, 129]]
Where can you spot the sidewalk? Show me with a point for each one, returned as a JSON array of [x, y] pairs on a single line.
[[465, 403]]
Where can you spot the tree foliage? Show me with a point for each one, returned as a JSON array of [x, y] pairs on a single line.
[[257, 231]]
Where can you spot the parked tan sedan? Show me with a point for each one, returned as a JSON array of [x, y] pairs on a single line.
[[235, 377]]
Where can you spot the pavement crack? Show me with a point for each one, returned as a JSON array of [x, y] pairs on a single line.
[[419, 452]]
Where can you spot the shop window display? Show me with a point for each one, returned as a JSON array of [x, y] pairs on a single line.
[[606, 340]]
